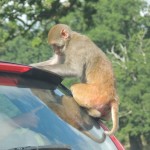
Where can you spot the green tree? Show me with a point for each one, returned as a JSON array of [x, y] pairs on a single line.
[[22, 17], [24, 27], [25, 51], [107, 22], [132, 71]]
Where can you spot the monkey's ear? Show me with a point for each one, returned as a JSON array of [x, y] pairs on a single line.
[[64, 34]]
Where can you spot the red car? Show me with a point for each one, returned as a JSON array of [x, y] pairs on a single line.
[[38, 112]]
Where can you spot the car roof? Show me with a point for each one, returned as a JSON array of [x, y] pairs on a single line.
[[29, 71]]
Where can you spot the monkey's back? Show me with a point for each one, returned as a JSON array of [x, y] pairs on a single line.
[[98, 68]]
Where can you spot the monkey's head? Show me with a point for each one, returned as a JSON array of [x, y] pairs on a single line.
[[58, 37]]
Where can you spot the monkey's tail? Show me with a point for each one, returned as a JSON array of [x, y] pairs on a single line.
[[94, 138], [114, 114]]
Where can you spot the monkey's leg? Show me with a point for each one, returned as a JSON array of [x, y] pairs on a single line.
[[85, 94], [88, 96]]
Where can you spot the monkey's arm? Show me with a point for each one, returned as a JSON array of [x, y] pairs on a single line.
[[64, 70], [56, 59]]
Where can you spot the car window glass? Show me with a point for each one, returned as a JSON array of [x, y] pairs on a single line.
[[30, 117], [7, 107]]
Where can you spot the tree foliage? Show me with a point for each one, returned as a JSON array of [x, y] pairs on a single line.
[[134, 85]]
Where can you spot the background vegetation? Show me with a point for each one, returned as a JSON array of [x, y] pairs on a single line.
[[120, 28]]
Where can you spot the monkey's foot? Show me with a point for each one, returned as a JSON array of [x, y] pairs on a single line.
[[94, 113]]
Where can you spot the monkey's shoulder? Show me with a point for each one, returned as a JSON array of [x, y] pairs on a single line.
[[81, 41]]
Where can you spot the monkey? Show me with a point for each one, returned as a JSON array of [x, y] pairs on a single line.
[[76, 55]]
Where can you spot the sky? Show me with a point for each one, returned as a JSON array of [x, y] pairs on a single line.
[[148, 1]]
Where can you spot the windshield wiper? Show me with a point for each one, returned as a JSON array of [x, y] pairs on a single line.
[[48, 147]]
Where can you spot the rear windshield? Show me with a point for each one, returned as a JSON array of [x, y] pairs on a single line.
[[35, 113]]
